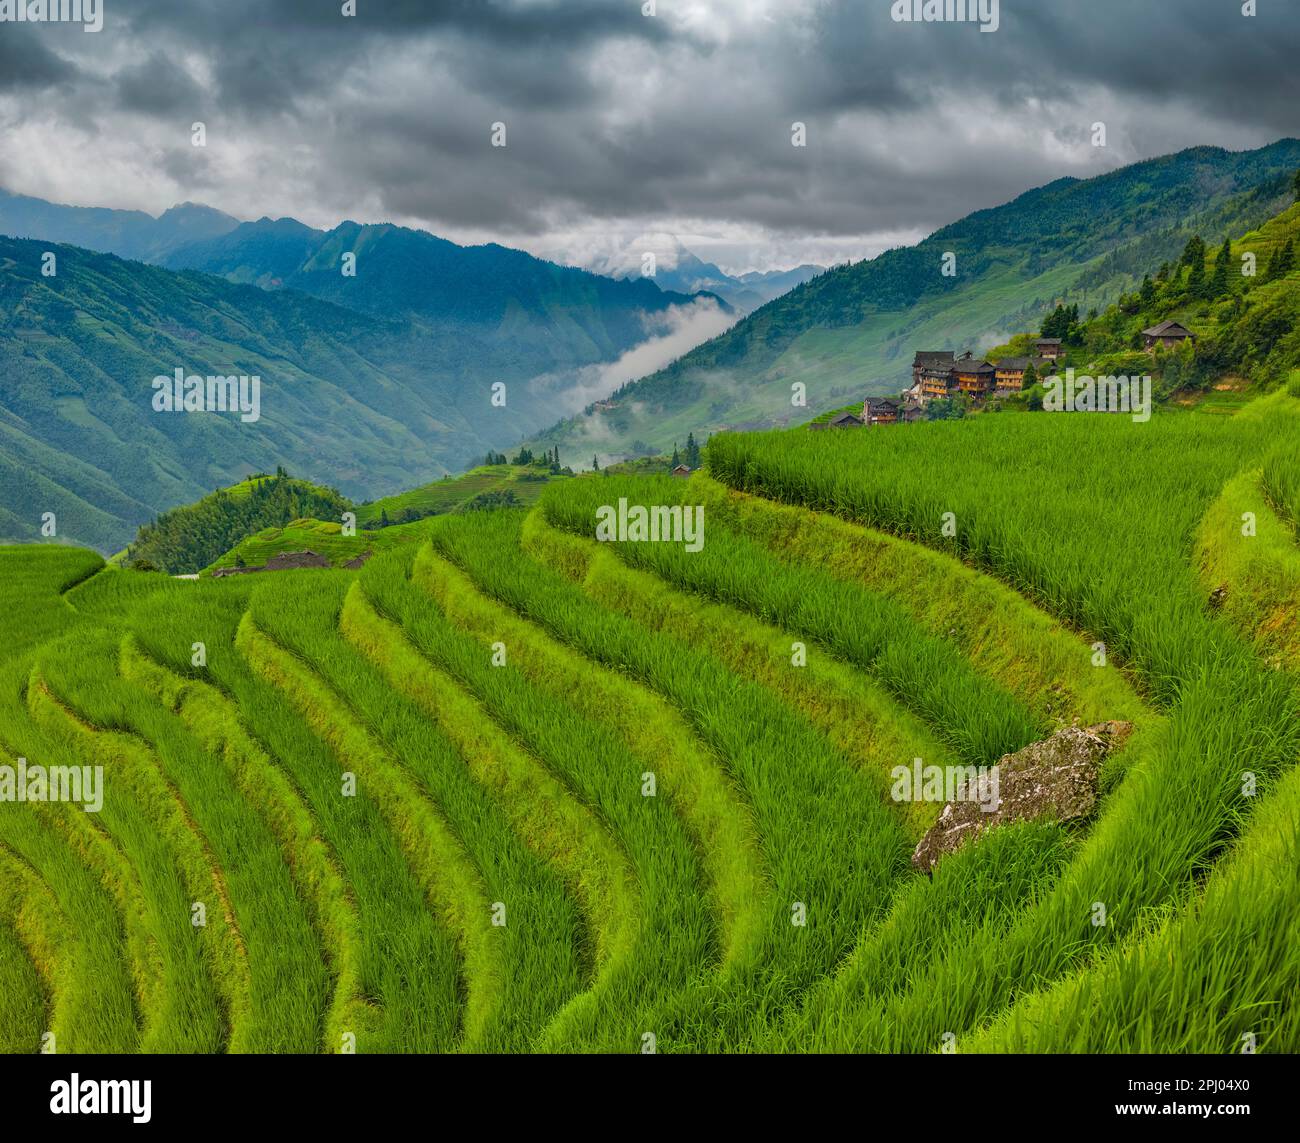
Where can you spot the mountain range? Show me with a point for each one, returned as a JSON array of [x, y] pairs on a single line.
[[434, 354], [677, 268], [371, 382], [853, 330]]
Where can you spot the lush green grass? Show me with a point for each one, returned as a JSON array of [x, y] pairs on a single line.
[[407, 964], [451, 494], [977, 720], [502, 687], [1281, 483], [857, 716], [841, 881], [324, 537], [1150, 485], [653, 731], [680, 934], [1248, 555]]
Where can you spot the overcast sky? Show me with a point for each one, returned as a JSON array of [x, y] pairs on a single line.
[[621, 124]]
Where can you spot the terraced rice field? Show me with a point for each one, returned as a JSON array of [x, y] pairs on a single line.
[[510, 789]]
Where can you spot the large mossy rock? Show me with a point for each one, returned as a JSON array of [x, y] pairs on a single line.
[[1055, 779]]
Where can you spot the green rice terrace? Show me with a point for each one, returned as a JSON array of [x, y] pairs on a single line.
[[510, 788]]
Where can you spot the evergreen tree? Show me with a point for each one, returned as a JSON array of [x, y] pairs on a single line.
[[676, 457], [595, 464], [1030, 379], [1196, 279], [692, 452], [1295, 185], [1219, 280], [1270, 268], [1148, 292], [1286, 259], [1193, 252]]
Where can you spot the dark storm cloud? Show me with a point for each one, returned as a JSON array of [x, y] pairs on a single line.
[[27, 61], [156, 86], [613, 115]]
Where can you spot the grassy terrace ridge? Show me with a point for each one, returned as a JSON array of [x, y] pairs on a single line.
[[857, 716], [453, 886], [654, 731], [1001, 634], [843, 880], [523, 481], [551, 822], [1248, 555], [979, 720], [682, 928], [532, 925], [214, 720], [1183, 975], [610, 747], [408, 960], [1227, 713]]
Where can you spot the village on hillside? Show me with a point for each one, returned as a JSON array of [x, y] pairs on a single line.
[[943, 375]]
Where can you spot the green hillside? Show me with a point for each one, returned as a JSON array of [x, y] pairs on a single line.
[[187, 539], [586, 774], [324, 537], [366, 404], [853, 331], [393, 520], [518, 484], [553, 316]]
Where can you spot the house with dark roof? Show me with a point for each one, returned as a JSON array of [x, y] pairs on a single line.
[[1009, 372], [935, 363], [1049, 347], [881, 411], [845, 421], [1167, 333], [682, 470], [975, 377]]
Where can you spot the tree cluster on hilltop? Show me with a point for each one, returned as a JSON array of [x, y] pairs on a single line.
[[188, 539]]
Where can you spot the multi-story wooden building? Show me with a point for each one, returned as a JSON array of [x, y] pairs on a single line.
[[1049, 347], [881, 411], [1010, 371], [973, 376], [932, 373], [931, 362]]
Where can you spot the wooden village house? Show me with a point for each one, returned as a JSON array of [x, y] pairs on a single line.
[[931, 371], [1167, 333], [974, 377], [881, 411], [1049, 347], [1009, 373]]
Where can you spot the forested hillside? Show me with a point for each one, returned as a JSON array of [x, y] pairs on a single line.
[[188, 539], [853, 331], [367, 404]]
